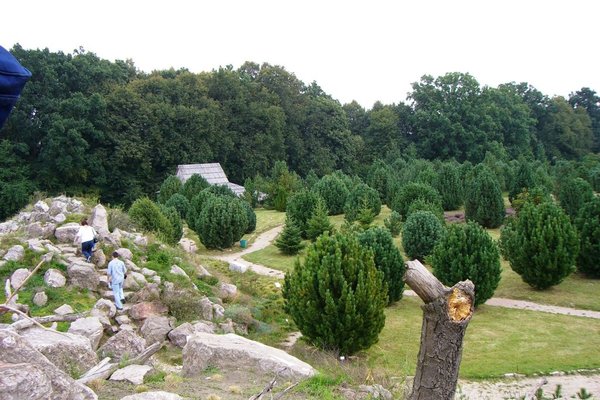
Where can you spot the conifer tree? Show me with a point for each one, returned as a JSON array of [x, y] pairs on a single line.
[[393, 223], [483, 201], [467, 252], [319, 221], [449, 186], [387, 259], [523, 179], [420, 233], [222, 222], [358, 194], [540, 244], [290, 241], [194, 185], [573, 194], [300, 207], [365, 214], [588, 225], [169, 187], [334, 192], [411, 192], [336, 296]]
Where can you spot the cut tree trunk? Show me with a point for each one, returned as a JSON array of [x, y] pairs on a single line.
[[446, 314]]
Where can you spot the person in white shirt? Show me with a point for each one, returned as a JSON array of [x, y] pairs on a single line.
[[116, 276], [86, 235]]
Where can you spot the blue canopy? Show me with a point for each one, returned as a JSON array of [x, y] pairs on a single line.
[[13, 77]]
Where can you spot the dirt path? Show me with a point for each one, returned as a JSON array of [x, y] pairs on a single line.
[[262, 241]]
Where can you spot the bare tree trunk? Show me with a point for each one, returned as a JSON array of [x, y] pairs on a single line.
[[446, 314]]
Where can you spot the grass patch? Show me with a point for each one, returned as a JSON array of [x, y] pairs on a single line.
[[498, 341], [271, 257]]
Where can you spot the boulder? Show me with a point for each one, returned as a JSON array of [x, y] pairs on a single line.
[[237, 266], [125, 344], [204, 326], [41, 207], [18, 277], [206, 308], [75, 206], [99, 258], [134, 281], [65, 309], [177, 270], [131, 266], [99, 220], [159, 395], [35, 245], [218, 311], [148, 272], [123, 320], [188, 245], [58, 206], [83, 275], [40, 230], [54, 278], [131, 373], [71, 353], [178, 336], [150, 292], [155, 329], [227, 291], [140, 241], [147, 309], [15, 253], [59, 218], [26, 374], [125, 253], [40, 299], [104, 308], [227, 326], [233, 351], [67, 232], [89, 327], [202, 272], [8, 227]]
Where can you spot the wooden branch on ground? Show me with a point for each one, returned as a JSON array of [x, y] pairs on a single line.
[[446, 314], [46, 258], [270, 387], [104, 369], [532, 395], [287, 389], [5, 308], [26, 323]]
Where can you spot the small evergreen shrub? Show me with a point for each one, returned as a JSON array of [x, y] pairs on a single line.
[[290, 241], [411, 192], [420, 233], [117, 218], [424, 205], [393, 223], [194, 185], [334, 192], [220, 190], [173, 234], [378, 177], [523, 180], [588, 225], [467, 252], [535, 195], [449, 186], [540, 244], [483, 200], [196, 206], [169, 187], [300, 207], [336, 296], [365, 215], [180, 203], [358, 196], [251, 215], [573, 194], [318, 222], [387, 259], [148, 216], [222, 222]]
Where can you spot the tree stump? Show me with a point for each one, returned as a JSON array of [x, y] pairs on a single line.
[[446, 314]]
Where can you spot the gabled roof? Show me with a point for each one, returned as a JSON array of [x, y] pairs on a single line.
[[212, 172]]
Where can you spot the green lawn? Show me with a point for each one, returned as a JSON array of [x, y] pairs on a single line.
[[271, 257], [498, 341]]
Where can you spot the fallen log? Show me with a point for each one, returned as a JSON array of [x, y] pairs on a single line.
[[446, 314], [104, 369], [26, 323]]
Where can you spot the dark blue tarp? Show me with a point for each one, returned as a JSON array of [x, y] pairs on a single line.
[[13, 77]]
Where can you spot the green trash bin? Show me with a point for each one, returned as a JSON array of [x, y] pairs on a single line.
[[243, 243]]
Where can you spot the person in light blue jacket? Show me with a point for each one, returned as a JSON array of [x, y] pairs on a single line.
[[116, 277]]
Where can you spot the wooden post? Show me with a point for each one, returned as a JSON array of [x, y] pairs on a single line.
[[446, 314]]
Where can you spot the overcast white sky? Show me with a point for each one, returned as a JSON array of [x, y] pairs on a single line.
[[363, 50]]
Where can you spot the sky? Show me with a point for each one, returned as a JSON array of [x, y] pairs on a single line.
[[366, 51]]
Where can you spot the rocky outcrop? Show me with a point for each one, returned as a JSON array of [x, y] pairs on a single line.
[[54, 278], [15, 253], [70, 353], [83, 275], [179, 335], [26, 374], [131, 373], [155, 329], [233, 351], [18, 277], [67, 232], [89, 327], [99, 220], [147, 309]]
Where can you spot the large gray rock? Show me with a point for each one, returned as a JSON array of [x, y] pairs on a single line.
[[160, 395], [227, 291], [131, 373], [26, 374], [155, 329], [40, 230], [177, 270], [59, 218], [75, 206], [8, 227], [67, 232], [89, 327], [18, 277], [179, 335], [206, 308], [15, 253], [65, 309], [125, 253], [99, 258], [134, 281], [54, 278], [233, 351], [125, 344], [35, 245], [147, 309], [104, 308], [58, 206], [188, 245], [71, 353], [99, 220], [204, 326], [41, 206], [40, 299], [150, 292], [83, 275]]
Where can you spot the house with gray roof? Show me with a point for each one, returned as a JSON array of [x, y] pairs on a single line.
[[212, 172]]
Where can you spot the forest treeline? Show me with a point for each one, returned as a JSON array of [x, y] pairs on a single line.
[[88, 125]]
